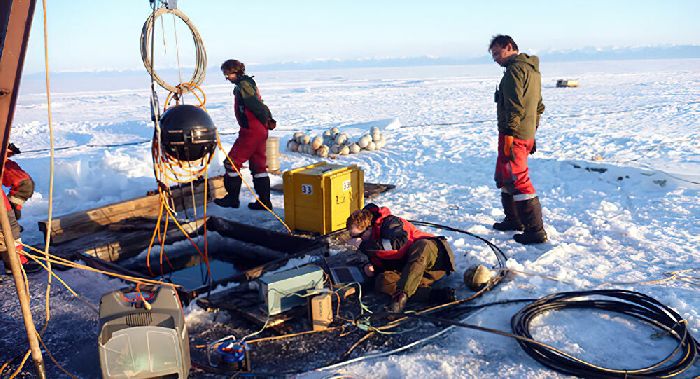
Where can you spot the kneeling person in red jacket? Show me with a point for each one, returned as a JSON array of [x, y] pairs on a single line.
[[404, 261], [18, 181]]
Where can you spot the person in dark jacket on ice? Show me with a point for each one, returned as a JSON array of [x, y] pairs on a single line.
[[519, 107], [18, 181], [255, 120], [403, 260]]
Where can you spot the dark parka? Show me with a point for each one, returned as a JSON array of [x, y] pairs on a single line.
[[249, 107], [519, 97]]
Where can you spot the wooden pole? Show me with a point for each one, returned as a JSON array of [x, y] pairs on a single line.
[[22, 294], [15, 24]]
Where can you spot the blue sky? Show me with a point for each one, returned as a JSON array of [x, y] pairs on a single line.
[[102, 34]]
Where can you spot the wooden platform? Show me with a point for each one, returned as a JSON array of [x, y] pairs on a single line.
[[79, 224]]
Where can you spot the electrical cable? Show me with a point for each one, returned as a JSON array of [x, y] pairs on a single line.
[[629, 303]]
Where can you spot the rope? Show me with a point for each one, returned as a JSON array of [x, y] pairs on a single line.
[[47, 241], [146, 50], [252, 191], [65, 262]]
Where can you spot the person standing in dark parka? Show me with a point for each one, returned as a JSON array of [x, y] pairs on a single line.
[[519, 107]]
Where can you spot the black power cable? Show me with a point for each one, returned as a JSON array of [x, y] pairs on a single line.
[[630, 303]]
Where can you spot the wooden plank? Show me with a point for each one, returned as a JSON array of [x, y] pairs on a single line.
[[78, 224], [111, 246]]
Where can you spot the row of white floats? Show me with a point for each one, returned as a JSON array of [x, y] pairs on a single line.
[[334, 142]]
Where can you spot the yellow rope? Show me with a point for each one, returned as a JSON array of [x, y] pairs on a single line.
[[21, 365], [252, 191], [65, 262], [47, 242]]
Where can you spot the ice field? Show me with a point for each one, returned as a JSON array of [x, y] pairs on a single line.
[[617, 169]]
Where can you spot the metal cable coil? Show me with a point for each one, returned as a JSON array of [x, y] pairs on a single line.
[[146, 36]]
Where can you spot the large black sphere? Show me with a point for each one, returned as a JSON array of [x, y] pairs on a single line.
[[187, 132]]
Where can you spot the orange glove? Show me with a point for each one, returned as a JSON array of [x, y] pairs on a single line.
[[508, 147]]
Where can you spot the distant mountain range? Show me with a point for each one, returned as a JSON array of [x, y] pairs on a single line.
[[585, 54], [126, 79]]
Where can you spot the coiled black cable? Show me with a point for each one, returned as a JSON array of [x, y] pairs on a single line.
[[630, 303]]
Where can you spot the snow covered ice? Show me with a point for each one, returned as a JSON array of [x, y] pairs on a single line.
[[617, 169]]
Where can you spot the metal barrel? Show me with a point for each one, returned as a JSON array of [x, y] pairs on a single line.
[[272, 150]]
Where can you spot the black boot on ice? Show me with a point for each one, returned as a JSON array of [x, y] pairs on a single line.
[[262, 189], [233, 189], [530, 212], [512, 221]]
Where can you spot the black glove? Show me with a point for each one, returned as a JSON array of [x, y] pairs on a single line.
[[534, 147], [271, 124]]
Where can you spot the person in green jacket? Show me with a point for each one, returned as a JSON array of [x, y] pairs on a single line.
[[255, 120], [519, 107]]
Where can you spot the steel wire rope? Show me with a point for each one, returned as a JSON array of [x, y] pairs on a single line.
[[147, 52], [166, 169]]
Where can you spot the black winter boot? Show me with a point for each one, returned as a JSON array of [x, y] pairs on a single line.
[[262, 189], [398, 302], [233, 189], [530, 212], [512, 221]]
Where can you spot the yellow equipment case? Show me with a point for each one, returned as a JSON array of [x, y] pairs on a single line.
[[320, 197]]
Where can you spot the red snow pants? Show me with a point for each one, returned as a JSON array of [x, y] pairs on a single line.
[[512, 173], [250, 146]]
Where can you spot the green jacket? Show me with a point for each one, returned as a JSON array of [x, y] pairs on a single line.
[[247, 97], [519, 97]]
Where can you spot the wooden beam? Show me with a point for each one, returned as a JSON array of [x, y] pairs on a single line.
[[79, 224]]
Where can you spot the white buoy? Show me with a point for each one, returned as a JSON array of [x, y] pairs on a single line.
[[344, 150], [322, 151], [316, 142], [371, 146], [334, 131], [292, 145], [364, 141], [354, 148], [341, 138]]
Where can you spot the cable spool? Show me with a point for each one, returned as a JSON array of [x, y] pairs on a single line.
[[630, 303], [187, 133], [146, 37]]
